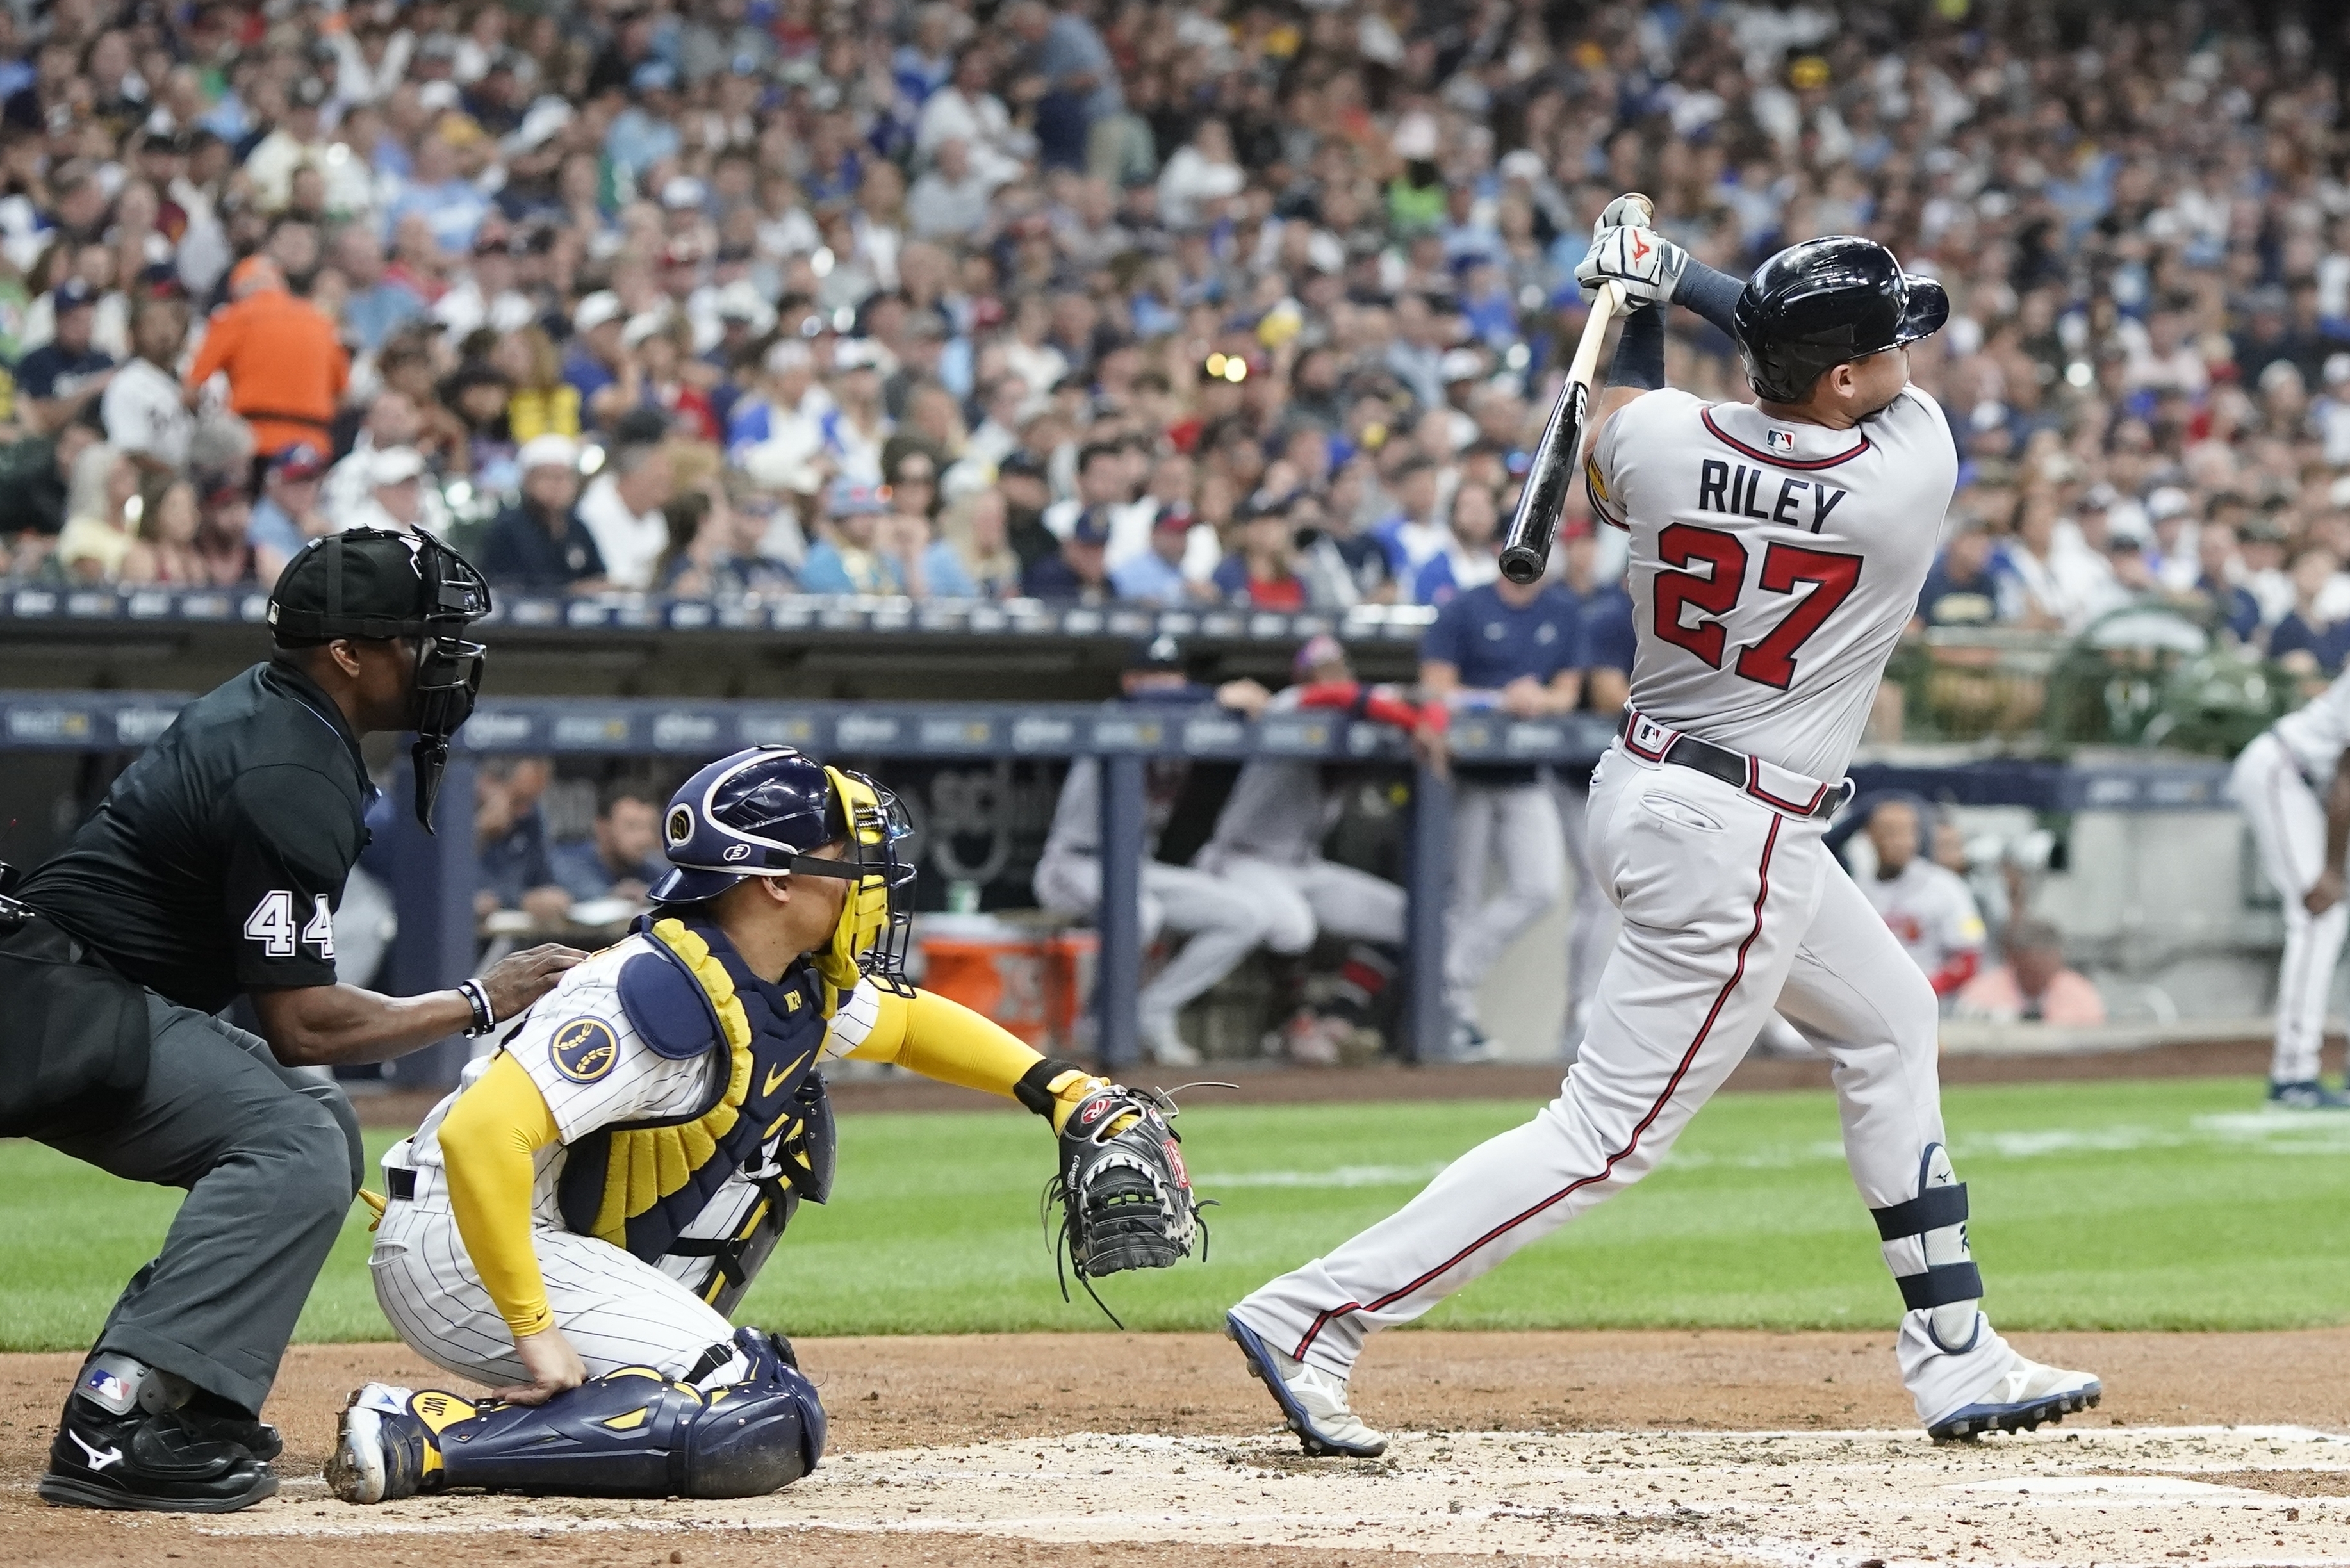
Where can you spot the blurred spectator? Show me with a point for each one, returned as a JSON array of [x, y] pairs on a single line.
[[223, 551], [1471, 555], [374, 305], [510, 842], [974, 528], [622, 858], [288, 514], [144, 408], [1927, 907], [926, 564], [395, 492], [2034, 985], [1261, 572], [622, 511], [99, 531], [1078, 571], [845, 559], [1156, 576], [34, 474], [69, 373], [2228, 602], [2305, 638], [542, 403], [165, 551], [285, 369], [538, 545]]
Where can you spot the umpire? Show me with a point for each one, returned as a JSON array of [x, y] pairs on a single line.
[[213, 867]]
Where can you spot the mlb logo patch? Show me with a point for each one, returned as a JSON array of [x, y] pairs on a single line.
[[106, 1387], [1779, 440]]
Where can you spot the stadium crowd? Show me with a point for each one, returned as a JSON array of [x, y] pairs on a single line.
[[1174, 304]]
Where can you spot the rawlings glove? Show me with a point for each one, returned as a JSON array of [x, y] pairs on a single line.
[[1629, 210], [1642, 261], [1126, 1200]]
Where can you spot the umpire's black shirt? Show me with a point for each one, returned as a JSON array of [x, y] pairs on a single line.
[[215, 862]]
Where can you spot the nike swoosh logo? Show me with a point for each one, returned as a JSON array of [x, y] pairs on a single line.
[[98, 1461], [775, 1076]]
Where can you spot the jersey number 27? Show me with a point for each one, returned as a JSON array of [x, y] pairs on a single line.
[[272, 924], [1785, 568]]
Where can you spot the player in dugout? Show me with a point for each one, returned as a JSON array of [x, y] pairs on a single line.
[[574, 1224], [213, 868]]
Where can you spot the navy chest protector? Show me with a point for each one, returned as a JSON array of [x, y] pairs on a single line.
[[639, 1185]]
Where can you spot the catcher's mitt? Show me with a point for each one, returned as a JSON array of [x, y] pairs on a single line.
[[1126, 1200]]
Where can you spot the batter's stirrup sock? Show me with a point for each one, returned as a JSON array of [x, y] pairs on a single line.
[[1363, 979], [1925, 1243]]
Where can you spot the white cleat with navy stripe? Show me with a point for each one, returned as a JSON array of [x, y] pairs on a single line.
[[2028, 1395], [1313, 1402]]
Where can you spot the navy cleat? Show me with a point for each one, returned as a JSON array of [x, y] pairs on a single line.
[[1313, 1402], [2029, 1395], [2308, 1095]]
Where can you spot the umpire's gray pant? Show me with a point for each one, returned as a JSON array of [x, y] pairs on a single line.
[[270, 1157]]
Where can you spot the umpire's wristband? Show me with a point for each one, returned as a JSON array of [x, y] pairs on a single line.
[[476, 998]]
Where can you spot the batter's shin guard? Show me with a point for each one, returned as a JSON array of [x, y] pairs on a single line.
[[634, 1433], [1926, 1247]]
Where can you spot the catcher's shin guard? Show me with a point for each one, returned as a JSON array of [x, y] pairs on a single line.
[[1926, 1247], [631, 1433]]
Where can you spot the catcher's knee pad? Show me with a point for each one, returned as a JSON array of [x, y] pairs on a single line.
[[634, 1433], [1926, 1247]]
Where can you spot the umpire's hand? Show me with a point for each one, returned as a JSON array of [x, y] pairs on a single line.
[[517, 981]]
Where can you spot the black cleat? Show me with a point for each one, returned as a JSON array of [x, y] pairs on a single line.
[[162, 1463]]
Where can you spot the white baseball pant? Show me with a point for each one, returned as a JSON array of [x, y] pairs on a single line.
[[1521, 822], [2288, 823], [1221, 925], [1591, 919], [1299, 902], [1728, 906], [615, 1310]]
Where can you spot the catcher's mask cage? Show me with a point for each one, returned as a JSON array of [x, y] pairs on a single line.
[[765, 812], [448, 678]]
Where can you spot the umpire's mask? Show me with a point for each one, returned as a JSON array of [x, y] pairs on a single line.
[[375, 584]]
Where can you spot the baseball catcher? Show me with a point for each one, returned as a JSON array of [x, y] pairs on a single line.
[[572, 1225]]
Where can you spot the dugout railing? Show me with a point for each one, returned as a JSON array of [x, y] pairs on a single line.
[[436, 874]]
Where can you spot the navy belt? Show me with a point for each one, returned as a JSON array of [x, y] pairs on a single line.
[[1732, 768]]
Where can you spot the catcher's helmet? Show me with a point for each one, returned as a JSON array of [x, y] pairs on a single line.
[[1826, 302], [763, 813]]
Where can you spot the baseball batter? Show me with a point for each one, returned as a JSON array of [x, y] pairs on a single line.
[[2278, 783], [573, 1224], [1777, 551]]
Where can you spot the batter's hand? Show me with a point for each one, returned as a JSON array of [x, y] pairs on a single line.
[[2325, 893], [1642, 261], [552, 1363], [1629, 211], [517, 981]]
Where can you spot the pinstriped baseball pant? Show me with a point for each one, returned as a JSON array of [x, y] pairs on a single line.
[[1727, 907], [615, 1310]]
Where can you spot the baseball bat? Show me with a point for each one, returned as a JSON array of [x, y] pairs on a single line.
[[1525, 548]]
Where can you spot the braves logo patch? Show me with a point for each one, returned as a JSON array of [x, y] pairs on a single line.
[[584, 1050]]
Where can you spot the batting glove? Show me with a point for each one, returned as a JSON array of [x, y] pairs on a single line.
[[1629, 210], [1640, 261]]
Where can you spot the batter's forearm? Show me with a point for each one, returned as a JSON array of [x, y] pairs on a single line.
[[1710, 295], [338, 1025]]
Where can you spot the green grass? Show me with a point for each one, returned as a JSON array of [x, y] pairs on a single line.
[[2170, 1204]]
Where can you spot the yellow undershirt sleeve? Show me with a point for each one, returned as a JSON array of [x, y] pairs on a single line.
[[941, 1039], [487, 1140]]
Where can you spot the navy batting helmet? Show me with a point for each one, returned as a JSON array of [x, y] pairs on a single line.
[[1827, 301], [764, 813]]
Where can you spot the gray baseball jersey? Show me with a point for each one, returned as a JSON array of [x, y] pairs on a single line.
[[1277, 811], [1929, 911], [2316, 732], [1773, 566]]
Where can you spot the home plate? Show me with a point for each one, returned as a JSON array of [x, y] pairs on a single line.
[[2058, 1497]]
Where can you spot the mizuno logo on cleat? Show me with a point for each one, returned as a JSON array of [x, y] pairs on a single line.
[[98, 1461]]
